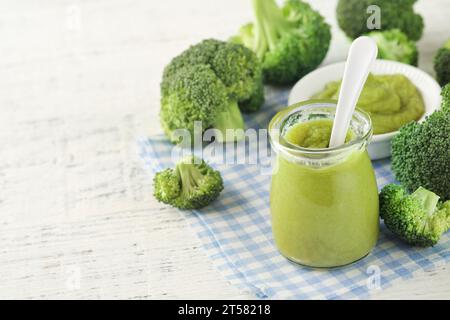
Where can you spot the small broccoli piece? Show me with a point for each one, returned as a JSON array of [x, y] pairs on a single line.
[[419, 218], [290, 41], [352, 17], [191, 185], [395, 45], [208, 82], [421, 152], [442, 64]]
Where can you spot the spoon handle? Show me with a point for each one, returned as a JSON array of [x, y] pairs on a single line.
[[361, 56]]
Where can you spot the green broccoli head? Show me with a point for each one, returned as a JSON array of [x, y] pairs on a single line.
[[208, 82], [239, 70], [235, 65], [421, 152], [442, 64], [352, 17], [394, 45], [419, 218], [290, 41], [191, 185], [193, 94]]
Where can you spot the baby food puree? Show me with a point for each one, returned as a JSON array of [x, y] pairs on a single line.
[[313, 134], [391, 101], [324, 215]]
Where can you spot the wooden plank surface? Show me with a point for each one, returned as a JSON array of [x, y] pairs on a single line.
[[79, 83]]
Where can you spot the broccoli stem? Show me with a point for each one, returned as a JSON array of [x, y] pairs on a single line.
[[270, 24], [260, 45], [231, 119], [190, 177], [428, 199]]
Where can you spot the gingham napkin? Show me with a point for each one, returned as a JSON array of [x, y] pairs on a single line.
[[236, 233]]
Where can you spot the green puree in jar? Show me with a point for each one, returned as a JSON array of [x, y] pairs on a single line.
[[391, 100], [313, 134], [324, 216]]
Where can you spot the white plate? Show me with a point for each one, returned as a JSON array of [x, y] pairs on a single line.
[[380, 146]]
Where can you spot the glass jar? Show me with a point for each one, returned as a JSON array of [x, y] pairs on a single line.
[[324, 202]]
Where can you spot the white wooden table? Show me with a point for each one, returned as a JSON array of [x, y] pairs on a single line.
[[79, 83]]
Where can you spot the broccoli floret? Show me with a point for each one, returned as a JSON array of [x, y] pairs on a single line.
[[442, 64], [352, 17], [421, 152], [419, 218], [208, 82], [290, 41], [395, 45], [195, 93], [191, 185]]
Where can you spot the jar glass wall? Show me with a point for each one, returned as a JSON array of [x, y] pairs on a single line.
[[324, 202]]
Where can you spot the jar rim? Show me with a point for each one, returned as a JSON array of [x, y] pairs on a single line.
[[275, 127]]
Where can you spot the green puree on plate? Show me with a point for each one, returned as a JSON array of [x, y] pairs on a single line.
[[391, 100]]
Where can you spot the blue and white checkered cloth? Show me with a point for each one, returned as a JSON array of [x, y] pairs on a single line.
[[236, 233]]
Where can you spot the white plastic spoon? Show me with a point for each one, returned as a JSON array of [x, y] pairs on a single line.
[[361, 55]]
